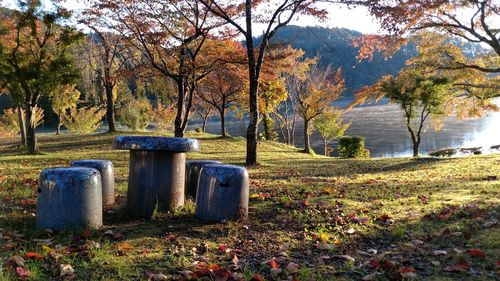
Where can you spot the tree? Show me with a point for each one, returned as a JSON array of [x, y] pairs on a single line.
[[204, 110], [286, 117], [419, 96], [64, 97], [171, 37], [314, 95], [473, 21], [436, 54], [107, 57], [35, 58], [222, 87], [330, 126], [273, 15], [271, 94]]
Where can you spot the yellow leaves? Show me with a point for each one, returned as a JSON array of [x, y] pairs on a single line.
[[123, 246]]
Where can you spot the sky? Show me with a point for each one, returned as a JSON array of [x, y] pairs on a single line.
[[351, 18]]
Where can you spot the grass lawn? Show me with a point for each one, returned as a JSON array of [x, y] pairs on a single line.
[[319, 218]]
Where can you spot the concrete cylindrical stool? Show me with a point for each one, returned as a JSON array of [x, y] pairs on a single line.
[[193, 168], [222, 193], [69, 198], [105, 167]]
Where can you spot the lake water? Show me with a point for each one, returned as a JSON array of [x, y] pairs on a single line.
[[386, 135]]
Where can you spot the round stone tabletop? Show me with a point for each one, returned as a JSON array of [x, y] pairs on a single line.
[[156, 143]]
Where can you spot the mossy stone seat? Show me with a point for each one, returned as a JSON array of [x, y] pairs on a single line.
[[69, 198], [105, 167], [193, 168], [222, 193]]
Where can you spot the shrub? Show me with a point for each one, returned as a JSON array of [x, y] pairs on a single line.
[[163, 117], [198, 130], [136, 114], [83, 120], [353, 147], [9, 121]]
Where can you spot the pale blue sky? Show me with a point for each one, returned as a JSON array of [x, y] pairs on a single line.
[[353, 18]]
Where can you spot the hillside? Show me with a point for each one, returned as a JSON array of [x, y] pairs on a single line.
[[335, 47]]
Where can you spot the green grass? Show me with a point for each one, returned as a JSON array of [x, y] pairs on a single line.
[[312, 208]]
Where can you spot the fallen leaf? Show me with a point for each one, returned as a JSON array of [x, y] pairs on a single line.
[[476, 253], [33, 255], [171, 237], [406, 269], [236, 261], [424, 199], [65, 269], [349, 258], [158, 277], [85, 233], [371, 276], [417, 242], [374, 263], [273, 264], [21, 272], [15, 261], [6, 247], [275, 272], [223, 248], [440, 252], [238, 276], [118, 236], [351, 230], [43, 242], [292, 267], [326, 246], [445, 214], [221, 274], [461, 266], [257, 277]]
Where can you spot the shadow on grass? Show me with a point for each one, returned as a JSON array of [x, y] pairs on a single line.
[[411, 243]]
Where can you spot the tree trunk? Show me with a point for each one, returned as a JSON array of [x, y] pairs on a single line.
[[267, 129], [325, 143], [178, 131], [307, 146], [204, 126], [110, 108], [252, 133], [222, 123], [58, 131], [30, 130], [292, 133], [415, 149], [22, 126]]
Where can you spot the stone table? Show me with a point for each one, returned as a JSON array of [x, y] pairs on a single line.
[[157, 172]]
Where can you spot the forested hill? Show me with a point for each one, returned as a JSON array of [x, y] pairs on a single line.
[[334, 46]]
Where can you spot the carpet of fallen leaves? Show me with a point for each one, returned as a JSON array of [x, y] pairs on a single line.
[[311, 218]]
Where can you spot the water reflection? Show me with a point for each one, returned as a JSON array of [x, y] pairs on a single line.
[[386, 136]]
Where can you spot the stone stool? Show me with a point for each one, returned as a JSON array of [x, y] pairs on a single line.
[[222, 193], [157, 172], [105, 167], [193, 168], [69, 198]]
